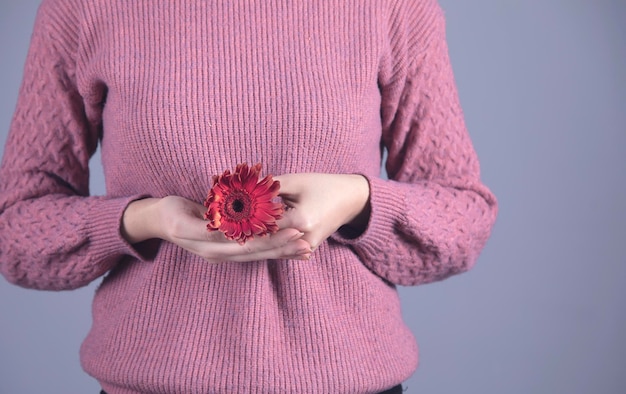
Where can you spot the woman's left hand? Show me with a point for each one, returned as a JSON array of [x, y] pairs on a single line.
[[319, 204]]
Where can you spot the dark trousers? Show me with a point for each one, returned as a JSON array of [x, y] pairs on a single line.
[[393, 390]]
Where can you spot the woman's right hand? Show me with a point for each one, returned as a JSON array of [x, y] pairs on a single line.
[[181, 221]]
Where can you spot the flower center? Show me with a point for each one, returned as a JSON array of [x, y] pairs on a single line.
[[238, 206]]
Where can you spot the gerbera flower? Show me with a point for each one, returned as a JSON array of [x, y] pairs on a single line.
[[241, 206]]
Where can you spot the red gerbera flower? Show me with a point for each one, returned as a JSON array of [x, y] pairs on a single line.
[[241, 206]]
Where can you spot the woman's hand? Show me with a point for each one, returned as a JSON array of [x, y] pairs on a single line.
[[319, 204], [180, 221]]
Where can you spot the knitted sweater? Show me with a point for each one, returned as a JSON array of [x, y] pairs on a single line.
[[177, 91]]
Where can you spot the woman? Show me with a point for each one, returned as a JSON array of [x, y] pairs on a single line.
[[177, 92]]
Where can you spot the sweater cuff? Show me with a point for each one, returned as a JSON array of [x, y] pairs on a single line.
[[387, 208], [104, 231]]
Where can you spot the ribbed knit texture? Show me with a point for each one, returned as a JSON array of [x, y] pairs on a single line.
[[177, 91]]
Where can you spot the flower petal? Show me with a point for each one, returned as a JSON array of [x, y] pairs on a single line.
[[241, 206]]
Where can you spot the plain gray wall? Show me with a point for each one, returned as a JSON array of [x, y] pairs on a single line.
[[543, 86]]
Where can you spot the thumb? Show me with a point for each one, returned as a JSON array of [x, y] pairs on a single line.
[[287, 219], [289, 184]]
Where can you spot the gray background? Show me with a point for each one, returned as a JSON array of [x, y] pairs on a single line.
[[543, 86]]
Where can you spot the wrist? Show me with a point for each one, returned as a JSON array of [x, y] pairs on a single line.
[[361, 203], [140, 220]]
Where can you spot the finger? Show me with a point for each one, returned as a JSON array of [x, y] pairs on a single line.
[[287, 219], [312, 240], [284, 241], [304, 257], [298, 249], [263, 242]]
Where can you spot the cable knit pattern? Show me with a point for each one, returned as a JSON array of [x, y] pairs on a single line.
[[177, 91]]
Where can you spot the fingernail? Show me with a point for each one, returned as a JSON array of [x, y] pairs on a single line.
[[303, 251], [296, 236]]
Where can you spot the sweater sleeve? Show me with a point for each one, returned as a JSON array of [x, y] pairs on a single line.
[[433, 216], [53, 235]]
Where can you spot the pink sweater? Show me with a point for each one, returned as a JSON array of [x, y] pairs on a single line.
[[176, 91]]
